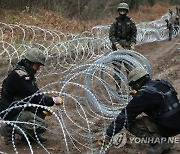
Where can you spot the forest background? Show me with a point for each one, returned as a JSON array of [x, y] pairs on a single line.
[[78, 15]]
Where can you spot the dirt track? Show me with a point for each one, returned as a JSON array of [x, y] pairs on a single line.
[[164, 58]]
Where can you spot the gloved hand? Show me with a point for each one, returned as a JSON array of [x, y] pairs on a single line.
[[57, 100], [103, 141], [49, 112], [133, 92], [118, 46], [133, 46]]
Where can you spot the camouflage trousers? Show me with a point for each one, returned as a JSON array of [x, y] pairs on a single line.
[[118, 64], [117, 67], [27, 123], [145, 127]]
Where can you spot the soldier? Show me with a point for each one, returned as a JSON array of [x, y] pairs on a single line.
[[123, 31], [122, 35], [20, 85], [176, 24], [169, 24], [158, 100], [177, 10]]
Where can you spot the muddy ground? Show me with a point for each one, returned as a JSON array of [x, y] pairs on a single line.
[[164, 58]]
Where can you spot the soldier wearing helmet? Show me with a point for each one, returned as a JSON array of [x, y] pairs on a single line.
[[169, 24], [20, 85], [123, 31], [158, 100], [177, 10], [122, 35], [35, 56], [176, 25]]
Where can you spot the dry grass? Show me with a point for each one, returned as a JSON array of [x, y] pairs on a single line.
[[51, 20], [147, 13]]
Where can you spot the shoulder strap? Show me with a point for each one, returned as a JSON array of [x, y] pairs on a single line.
[[171, 103], [150, 87], [167, 83]]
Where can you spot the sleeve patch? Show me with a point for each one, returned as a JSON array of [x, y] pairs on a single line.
[[27, 78], [21, 72]]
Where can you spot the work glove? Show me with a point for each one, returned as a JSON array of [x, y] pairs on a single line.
[[133, 92], [57, 100], [49, 112], [118, 46], [104, 141], [133, 46]]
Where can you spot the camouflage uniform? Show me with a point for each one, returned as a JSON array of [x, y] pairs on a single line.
[[123, 31], [35, 124]]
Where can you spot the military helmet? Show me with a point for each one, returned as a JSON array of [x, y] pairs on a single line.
[[35, 55], [123, 6], [136, 74]]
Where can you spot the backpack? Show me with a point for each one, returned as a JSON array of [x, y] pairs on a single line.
[[171, 104]]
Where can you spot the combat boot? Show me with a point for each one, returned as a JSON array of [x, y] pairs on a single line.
[[159, 148]]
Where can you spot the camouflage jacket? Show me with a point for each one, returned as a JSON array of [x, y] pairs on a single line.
[[123, 31]]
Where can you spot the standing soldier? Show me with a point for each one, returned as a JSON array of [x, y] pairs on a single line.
[[122, 35], [177, 10], [123, 31], [169, 27], [176, 24], [20, 87]]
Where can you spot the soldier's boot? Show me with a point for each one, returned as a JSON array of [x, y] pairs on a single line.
[[6, 132], [159, 148]]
